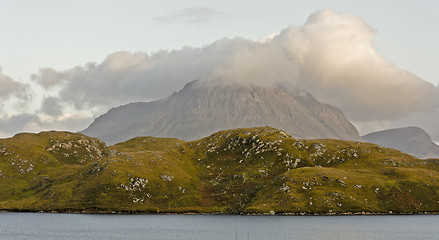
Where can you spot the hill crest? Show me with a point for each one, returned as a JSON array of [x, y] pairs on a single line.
[[240, 171]]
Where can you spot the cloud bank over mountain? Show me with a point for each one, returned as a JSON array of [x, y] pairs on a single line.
[[331, 56]]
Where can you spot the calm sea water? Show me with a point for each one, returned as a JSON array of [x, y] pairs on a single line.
[[192, 227]]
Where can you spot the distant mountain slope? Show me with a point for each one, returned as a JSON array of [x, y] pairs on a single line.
[[251, 170], [412, 140], [199, 110]]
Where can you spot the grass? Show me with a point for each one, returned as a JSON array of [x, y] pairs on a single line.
[[249, 170]]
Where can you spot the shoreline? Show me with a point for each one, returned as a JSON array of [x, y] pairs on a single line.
[[216, 213]]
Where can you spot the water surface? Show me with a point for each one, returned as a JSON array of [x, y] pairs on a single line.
[[192, 227]]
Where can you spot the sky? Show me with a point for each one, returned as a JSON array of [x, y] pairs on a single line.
[[63, 63]]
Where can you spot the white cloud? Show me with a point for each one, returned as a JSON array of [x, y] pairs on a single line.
[[339, 65], [124, 77]]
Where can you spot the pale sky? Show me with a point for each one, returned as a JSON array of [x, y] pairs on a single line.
[[61, 35]]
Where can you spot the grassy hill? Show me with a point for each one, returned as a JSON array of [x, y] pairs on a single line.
[[254, 170]]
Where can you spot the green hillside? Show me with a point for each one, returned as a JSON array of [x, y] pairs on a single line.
[[254, 170]]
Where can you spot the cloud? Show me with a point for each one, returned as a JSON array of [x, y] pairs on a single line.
[[331, 56], [189, 15], [125, 77], [339, 65], [10, 88], [49, 78], [52, 106], [17, 123]]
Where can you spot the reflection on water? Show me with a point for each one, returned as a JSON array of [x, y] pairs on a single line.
[[192, 227]]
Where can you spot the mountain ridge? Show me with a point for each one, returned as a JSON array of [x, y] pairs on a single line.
[[199, 110], [412, 140]]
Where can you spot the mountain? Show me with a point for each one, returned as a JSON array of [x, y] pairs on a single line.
[[412, 140], [200, 109], [240, 171]]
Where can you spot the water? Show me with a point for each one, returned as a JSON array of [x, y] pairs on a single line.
[[38, 226]]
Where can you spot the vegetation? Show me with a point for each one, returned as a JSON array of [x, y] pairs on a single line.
[[240, 171]]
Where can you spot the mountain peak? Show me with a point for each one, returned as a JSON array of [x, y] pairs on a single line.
[[201, 108]]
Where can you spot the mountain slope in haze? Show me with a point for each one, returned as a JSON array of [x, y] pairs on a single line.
[[251, 170], [199, 110], [411, 140]]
